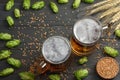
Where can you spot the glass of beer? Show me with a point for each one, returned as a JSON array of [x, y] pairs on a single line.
[[56, 52], [86, 33]]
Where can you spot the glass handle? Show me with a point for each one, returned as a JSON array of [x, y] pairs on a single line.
[[106, 30], [42, 67], [105, 27]]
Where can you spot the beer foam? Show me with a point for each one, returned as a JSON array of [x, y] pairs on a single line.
[[56, 49], [87, 30]]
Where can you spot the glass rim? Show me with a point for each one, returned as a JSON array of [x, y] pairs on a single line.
[[93, 42], [66, 57]]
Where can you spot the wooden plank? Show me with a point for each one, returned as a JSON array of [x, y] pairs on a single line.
[[35, 26]]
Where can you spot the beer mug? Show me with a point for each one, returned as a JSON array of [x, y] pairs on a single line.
[[86, 33], [56, 52]]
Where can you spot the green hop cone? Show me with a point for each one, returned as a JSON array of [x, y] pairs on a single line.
[[13, 43], [81, 73], [38, 5], [117, 32], [17, 13], [54, 77], [88, 1], [54, 7], [26, 76], [63, 1], [5, 36], [5, 54], [14, 62], [6, 72], [9, 5], [83, 60], [111, 51], [10, 21], [76, 3], [26, 4]]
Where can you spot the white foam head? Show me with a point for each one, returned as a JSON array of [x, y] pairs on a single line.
[[87, 30], [56, 49]]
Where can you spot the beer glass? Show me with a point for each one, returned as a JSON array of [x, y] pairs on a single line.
[[56, 52], [86, 33]]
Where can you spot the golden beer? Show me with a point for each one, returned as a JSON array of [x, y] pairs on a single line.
[[86, 33]]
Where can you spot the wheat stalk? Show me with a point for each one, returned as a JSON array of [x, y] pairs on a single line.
[[98, 4], [115, 17], [109, 12], [104, 7]]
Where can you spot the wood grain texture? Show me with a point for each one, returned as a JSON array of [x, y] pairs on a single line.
[[35, 26]]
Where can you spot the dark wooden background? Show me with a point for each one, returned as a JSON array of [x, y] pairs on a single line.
[[34, 26]]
